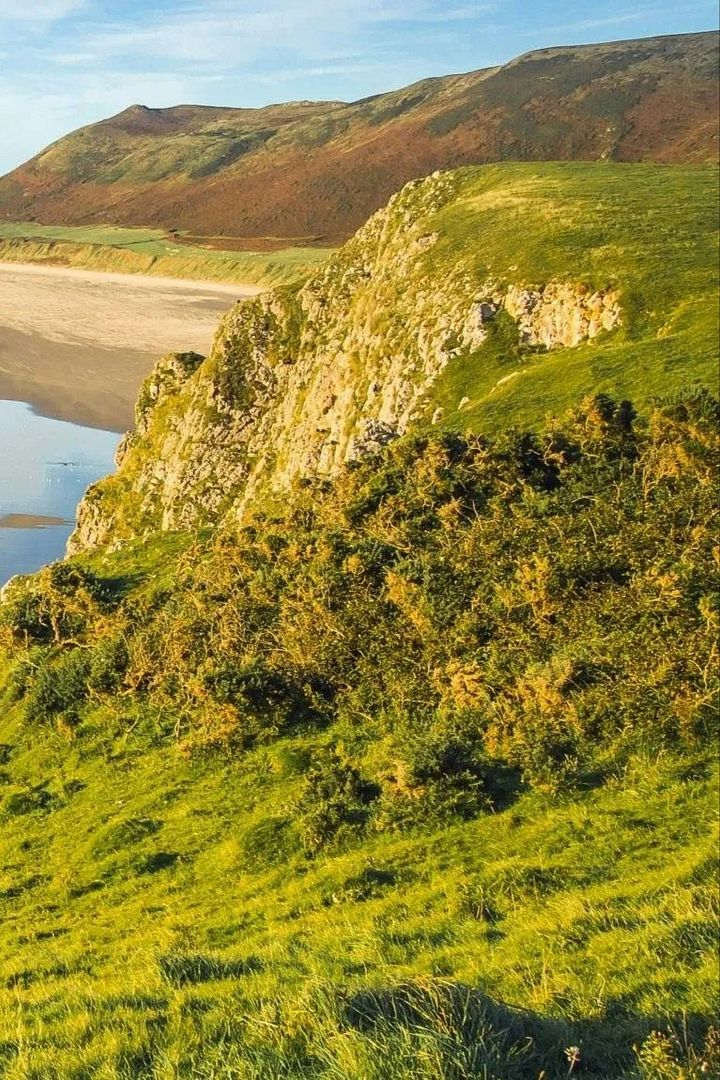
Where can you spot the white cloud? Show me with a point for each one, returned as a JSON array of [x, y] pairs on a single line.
[[230, 34], [39, 11]]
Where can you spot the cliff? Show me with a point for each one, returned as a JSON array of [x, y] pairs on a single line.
[[473, 291]]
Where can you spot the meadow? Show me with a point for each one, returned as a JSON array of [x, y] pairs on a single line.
[[154, 252]]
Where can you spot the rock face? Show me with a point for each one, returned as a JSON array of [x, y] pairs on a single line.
[[298, 383], [561, 314]]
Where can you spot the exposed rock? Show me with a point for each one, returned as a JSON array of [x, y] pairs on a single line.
[[474, 330], [298, 383], [168, 376], [376, 434], [561, 314], [123, 447]]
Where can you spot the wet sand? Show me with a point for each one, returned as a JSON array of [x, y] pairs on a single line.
[[30, 521], [76, 344]]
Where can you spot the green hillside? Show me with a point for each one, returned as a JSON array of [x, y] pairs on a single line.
[[650, 232], [370, 733], [415, 780]]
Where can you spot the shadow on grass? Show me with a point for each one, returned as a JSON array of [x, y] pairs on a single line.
[[477, 1034], [183, 969]]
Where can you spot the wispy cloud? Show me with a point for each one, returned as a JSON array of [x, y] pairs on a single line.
[[592, 24], [40, 11]]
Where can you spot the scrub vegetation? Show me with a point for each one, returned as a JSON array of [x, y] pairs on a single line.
[[413, 779]]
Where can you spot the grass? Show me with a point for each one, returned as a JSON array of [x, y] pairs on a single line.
[[146, 919], [649, 231], [151, 251], [159, 914]]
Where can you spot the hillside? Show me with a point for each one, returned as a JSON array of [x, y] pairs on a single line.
[[313, 172], [370, 731], [413, 780], [433, 314]]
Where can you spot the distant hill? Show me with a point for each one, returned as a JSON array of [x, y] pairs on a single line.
[[316, 170]]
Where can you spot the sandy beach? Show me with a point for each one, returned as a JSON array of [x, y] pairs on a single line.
[[76, 344]]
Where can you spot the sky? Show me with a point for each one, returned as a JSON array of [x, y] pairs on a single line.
[[65, 63]]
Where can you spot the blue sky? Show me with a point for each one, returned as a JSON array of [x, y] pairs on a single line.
[[64, 63]]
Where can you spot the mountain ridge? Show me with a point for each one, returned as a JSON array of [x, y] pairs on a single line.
[[320, 168]]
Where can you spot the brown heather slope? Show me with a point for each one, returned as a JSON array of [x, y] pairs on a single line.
[[316, 170]]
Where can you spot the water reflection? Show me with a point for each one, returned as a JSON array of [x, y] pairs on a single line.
[[45, 466]]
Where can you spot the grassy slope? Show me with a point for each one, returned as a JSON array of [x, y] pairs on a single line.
[[650, 231], [319, 169], [150, 906], [158, 919], [151, 251]]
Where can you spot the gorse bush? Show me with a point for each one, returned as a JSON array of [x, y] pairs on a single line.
[[335, 799], [59, 687], [63, 602], [462, 615]]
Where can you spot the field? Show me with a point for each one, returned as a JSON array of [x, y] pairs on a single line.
[[152, 251], [153, 916]]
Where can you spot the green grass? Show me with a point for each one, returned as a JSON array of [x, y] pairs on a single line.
[[151, 251], [649, 231], [149, 914], [160, 915]]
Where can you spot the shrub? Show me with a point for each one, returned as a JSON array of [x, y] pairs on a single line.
[[59, 687], [336, 801]]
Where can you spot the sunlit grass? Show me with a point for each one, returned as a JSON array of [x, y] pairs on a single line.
[[151, 251]]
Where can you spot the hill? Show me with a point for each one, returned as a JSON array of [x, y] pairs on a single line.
[[313, 172], [412, 781], [370, 732], [434, 315]]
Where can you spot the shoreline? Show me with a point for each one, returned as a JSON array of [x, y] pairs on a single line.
[[76, 344], [245, 290]]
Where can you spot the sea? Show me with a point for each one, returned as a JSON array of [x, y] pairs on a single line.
[[45, 467]]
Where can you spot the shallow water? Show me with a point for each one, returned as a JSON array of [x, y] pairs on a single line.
[[45, 467]]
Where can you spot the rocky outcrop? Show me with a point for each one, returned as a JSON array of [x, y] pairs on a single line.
[[561, 314], [300, 382]]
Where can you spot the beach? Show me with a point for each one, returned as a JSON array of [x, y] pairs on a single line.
[[76, 344]]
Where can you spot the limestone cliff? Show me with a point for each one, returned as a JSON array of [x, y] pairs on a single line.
[[299, 382]]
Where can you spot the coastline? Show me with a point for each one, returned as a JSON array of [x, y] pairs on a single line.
[[162, 260], [75, 344]]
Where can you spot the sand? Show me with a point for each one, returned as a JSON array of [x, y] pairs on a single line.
[[76, 344], [30, 521]]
